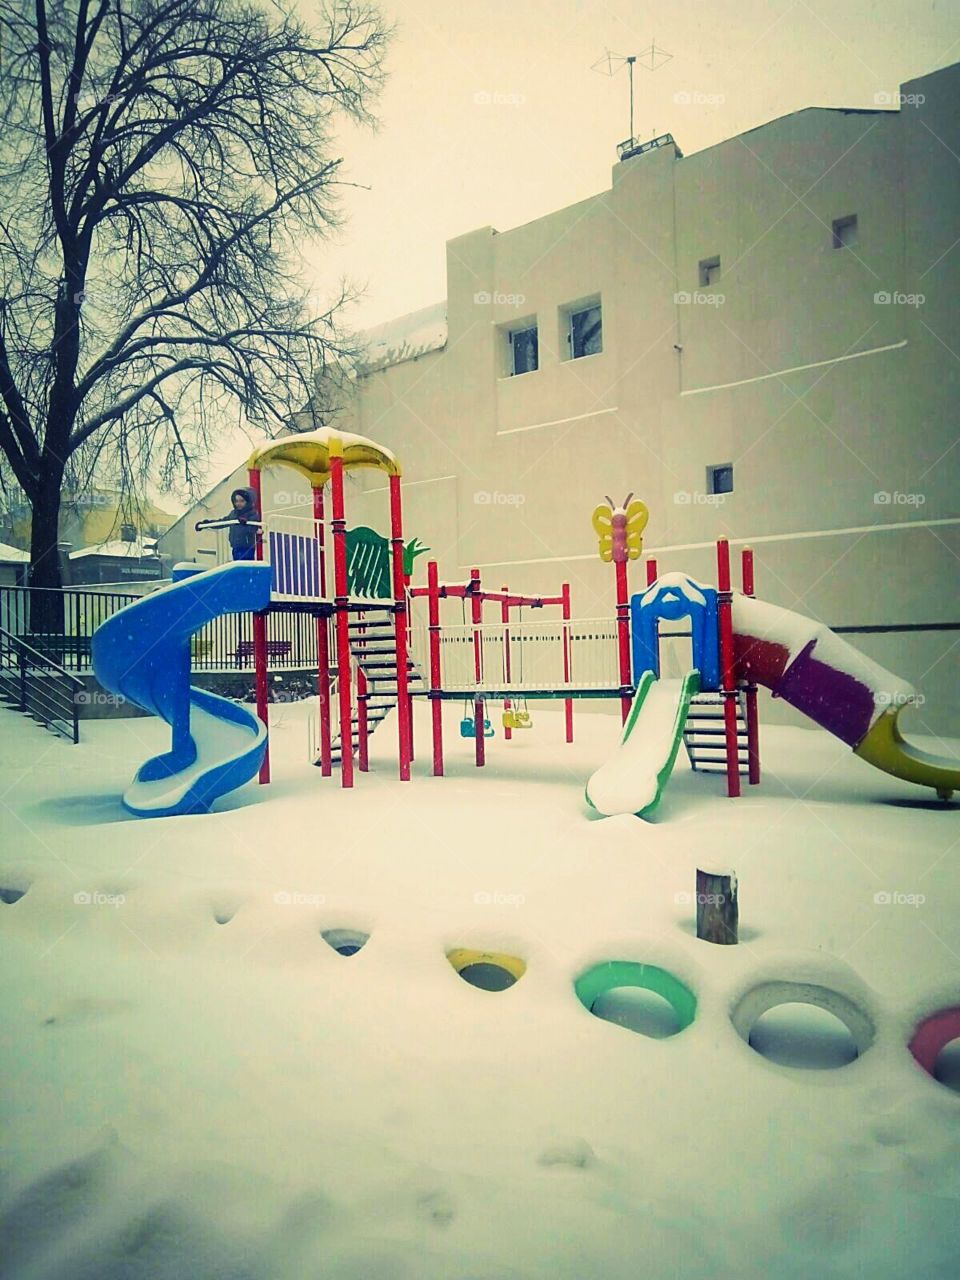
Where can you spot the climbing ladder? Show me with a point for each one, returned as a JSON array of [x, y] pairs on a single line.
[[374, 649], [704, 735]]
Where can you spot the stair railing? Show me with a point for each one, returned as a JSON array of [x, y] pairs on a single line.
[[38, 686]]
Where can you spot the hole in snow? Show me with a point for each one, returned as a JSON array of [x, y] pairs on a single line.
[[488, 977], [946, 1069], [9, 895], [487, 970], [224, 917], [638, 1010], [794, 1034], [346, 942]]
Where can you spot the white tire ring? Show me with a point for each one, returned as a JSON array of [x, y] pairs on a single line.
[[768, 995]]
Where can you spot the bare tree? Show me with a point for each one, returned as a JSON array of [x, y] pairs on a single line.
[[162, 163]]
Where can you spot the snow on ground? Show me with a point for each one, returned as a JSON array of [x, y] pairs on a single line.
[[196, 1085]]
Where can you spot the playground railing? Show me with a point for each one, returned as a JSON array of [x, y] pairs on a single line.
[[551, 655], [290, 544]]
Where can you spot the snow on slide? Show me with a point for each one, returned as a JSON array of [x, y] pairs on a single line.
[[838, 687], [222, 745], [143, 654], [633, 778]]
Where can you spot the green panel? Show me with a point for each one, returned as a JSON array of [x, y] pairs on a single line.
[[368, 562], [630, 973]]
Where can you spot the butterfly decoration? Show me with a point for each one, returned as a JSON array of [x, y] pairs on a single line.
[[620, 529]]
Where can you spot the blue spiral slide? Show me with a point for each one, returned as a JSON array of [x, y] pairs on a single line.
[[143, 654]]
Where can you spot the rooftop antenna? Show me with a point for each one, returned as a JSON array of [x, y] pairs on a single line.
[[651, 58]]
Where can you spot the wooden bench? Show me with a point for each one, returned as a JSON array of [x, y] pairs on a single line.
[[59, 647], [275, 649]]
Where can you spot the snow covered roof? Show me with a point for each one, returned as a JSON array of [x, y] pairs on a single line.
[[403, 338], [143, 548], [12, 555]]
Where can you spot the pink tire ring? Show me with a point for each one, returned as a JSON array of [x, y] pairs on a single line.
[[935, 1031]]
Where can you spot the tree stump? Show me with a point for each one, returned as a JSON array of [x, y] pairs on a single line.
[[718, 913]]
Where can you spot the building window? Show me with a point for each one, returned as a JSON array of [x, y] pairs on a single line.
[[524, 350], [709, 270], [720, 478], [585, 337], [845, 231]]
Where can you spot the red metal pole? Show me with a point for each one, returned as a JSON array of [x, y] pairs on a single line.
[[651, 571], [260, 640], [505, 618], [323, 645], [436, 679], [476, 608], [727, 678], [338, 527], [254, 482], [623, 635], [400, 619], [567, 702], [260, 667], [753, 719]]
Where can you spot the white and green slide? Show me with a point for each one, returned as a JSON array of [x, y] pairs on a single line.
[[632, 780]]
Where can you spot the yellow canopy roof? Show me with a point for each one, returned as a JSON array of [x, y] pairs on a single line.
[[310, 453]]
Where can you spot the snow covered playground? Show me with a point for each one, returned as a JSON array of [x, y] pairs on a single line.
[[581, 1012]]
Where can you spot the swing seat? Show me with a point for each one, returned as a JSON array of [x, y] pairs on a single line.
[[468, 728], [517, 720]]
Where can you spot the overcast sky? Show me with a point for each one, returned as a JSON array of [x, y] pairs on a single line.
[[494, 116]]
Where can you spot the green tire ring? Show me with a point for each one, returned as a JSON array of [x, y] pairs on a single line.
[[604, 977]]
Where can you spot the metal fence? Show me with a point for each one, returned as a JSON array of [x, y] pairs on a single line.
[[225, 644], [579, 654]]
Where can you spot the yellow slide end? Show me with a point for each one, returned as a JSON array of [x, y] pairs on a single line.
[[886, 748]]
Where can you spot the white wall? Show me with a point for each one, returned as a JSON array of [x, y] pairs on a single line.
[[820, 396]]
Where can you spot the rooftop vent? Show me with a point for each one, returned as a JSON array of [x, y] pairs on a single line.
[[634, 147]]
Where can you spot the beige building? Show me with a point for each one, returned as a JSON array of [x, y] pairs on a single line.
[[761, 340]]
